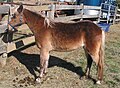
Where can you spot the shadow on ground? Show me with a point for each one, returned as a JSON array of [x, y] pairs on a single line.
[[31, 61]]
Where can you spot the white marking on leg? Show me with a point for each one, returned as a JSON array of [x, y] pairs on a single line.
[[41, 72], [98, 82], [38, 80]]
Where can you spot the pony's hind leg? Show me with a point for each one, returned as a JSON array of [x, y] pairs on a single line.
[[44, 57], [98, 58], [89, 64]]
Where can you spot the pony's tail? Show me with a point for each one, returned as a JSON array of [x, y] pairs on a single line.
[[101, 58], [102, 47]]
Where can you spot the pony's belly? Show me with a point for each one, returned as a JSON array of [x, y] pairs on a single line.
[[69, 47]]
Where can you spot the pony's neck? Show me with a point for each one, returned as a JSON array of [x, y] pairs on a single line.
[[33, 19]]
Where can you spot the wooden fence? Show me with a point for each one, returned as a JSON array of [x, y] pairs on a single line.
[[53, 6], [51, 9]]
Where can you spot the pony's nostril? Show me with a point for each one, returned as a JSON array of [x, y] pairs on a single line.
[[13, 15]]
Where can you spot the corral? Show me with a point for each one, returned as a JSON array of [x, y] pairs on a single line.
[[61, 65]]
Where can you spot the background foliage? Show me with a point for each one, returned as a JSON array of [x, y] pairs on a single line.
[[118, 3]]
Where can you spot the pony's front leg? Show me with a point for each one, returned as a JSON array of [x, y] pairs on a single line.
[[44, 58]]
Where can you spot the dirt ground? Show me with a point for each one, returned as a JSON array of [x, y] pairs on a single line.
[[65, 68]]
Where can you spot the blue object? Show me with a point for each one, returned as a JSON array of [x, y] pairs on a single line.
[[93, 2], [104, 26], [97, 2]]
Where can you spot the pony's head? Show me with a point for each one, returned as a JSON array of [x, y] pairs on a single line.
[[17, 17], [21, 16]]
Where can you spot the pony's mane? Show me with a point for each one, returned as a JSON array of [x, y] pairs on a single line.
[[33, 12], [47, 22]]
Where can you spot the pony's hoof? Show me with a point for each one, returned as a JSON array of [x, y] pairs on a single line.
[[38, 80], [98, 82], [3, 59], [82, 77], [85, 77]]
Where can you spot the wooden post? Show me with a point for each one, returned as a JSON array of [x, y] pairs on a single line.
[[1, 14], [50, 13], [108, 14], [82, 13], [100, 13], [115, 15]]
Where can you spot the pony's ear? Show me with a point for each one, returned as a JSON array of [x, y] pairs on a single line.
[[20, 8]]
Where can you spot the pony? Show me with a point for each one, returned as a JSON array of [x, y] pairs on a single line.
[[60, 36]]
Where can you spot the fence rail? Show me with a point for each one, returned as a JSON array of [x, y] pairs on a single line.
[[118, 16], [52, 8]]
